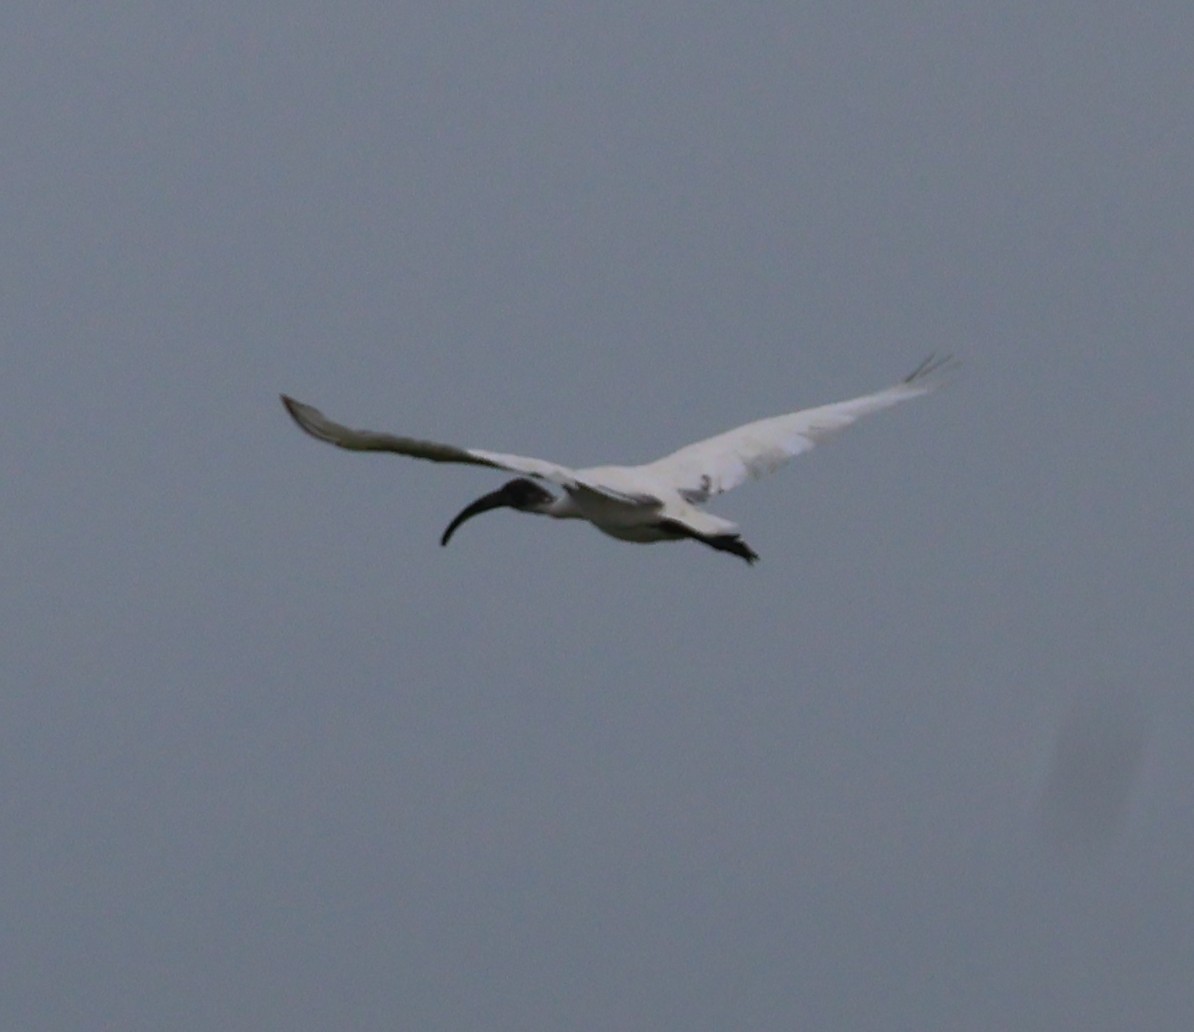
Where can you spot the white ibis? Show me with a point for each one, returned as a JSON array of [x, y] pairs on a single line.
[[658, 501]]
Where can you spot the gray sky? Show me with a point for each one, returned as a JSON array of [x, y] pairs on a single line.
[[271, 758]]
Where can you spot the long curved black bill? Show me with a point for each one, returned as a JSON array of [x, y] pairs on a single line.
[[496, 500]]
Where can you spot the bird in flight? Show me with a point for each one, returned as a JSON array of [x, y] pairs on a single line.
[[657, 501]]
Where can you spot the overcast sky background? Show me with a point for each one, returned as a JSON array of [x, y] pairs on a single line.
[[272, 758]]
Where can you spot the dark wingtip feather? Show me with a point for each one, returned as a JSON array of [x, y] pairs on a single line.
[[934, 365]]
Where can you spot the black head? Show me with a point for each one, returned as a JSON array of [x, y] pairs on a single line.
[[526, 495], [521, 494]]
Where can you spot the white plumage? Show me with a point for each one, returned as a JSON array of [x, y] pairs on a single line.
[[657, 501]]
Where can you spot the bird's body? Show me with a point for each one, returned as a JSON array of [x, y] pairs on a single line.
[[657, 501]]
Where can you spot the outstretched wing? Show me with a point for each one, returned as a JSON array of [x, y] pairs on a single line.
[[707, 468], [319, 426]]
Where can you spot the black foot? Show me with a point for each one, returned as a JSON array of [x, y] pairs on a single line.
[[733, 544]]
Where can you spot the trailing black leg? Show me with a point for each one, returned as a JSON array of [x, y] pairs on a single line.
[[731, 543]]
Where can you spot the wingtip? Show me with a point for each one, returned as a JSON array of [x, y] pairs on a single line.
[[294, 409], [309, 420], [935, 367]]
